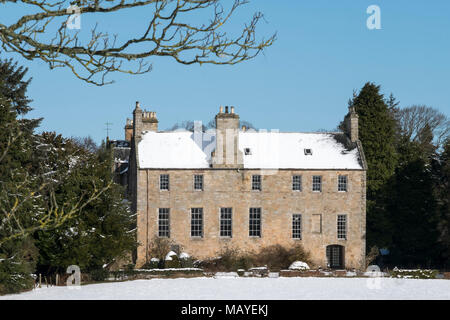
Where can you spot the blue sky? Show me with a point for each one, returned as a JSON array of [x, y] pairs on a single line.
[[324, 51]]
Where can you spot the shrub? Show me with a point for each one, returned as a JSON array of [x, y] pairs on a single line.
[[99, 274], [186, 261], [172, 261], [414, 274], [154, 263], [13, 278], [158, 248], [277, 257]]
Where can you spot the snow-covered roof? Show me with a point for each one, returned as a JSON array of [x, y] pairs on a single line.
[[268, 150]]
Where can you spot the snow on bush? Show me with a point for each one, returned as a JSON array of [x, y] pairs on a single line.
[[184, 255], [414, 274], [170, 255], [299, 265]]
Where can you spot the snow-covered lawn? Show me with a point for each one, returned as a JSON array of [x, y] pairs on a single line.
[[251, 289]]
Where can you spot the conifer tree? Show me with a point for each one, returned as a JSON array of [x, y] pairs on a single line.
[[413, 208], [18, 255], [442, 189], [103, 231], [377, 135]]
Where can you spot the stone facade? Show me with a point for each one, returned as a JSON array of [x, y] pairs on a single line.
[[231, 187]]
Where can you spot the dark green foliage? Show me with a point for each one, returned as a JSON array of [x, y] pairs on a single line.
[[187, 262], [18, 206], [17, 262], [99, 274], [173, 263], [101, 232], [414, 274], [412, 206], [441, 171], [14, 87], [377, 134], [152, 264]]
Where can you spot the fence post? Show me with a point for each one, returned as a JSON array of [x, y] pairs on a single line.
[[40, 280]]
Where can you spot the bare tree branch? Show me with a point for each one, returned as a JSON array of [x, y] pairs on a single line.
[[169, 32], [413, 120]]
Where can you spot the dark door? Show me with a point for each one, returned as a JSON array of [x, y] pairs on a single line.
[[335, 256]]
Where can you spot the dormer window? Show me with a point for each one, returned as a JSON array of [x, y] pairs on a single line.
[[247, 151], [308, 152]]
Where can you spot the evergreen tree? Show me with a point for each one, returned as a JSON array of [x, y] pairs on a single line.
[[377, 135], [413, 208], [442, 189], [17, 203], [101, 233]]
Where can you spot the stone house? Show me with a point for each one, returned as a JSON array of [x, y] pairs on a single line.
[[241, 188]]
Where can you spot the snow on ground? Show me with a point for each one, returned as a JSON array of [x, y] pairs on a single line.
[[251, 289]]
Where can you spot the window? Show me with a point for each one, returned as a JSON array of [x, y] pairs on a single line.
[[197, 222], [342, 183], [198, 182], [247, 151], [297, 226], [254, 222], [316, 223], [342, 227], [225, 222], [164, 223], [164, 182], [317, 184], [256, 182], [297, 183], [308, 152]]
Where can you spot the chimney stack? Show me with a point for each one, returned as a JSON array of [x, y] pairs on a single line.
[[351, 124], [227, 153]]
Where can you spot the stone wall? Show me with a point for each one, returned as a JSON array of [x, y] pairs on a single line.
[[232, 188]]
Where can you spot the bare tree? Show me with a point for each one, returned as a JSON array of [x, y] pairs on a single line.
[[169, 32], [416, 119]]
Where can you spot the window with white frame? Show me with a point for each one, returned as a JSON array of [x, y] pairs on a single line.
[[164, 182], [317, 183], [226, 222], [342, 227], [256, 182], [164, 223], [198, 182], [254, 222], [296, 226], [342, 183], [297, 183], [197, 222]]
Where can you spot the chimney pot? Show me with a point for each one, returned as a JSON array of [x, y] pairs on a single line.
[[226, 109], [220, 109], [232, 109]]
